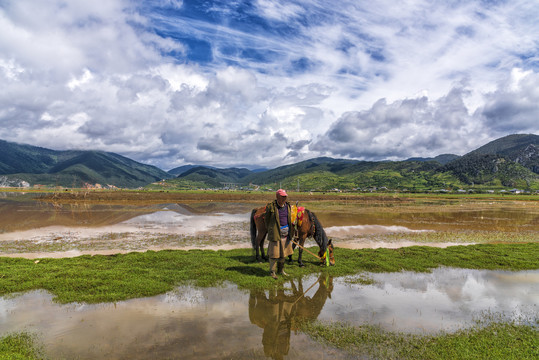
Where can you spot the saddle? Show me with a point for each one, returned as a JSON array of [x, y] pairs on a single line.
[[297, 215]]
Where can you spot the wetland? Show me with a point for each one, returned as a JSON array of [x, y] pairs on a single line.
[[173, 276]]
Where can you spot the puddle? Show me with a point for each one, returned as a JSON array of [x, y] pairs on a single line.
[[181, 223], [355, 230], [498, 218], [194, 323], [446, 299]]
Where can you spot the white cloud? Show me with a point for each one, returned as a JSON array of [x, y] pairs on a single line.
[[299, 80], [279, 10]]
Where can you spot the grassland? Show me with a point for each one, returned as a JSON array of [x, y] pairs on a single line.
[[95, 279], [485, 340], [112, 278], [20, 346]]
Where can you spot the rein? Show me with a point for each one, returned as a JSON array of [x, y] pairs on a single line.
[[301, 247]]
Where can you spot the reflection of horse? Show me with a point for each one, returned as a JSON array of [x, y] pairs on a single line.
[[279, 312], [310, 227]]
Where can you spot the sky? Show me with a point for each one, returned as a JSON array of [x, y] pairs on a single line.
[[266, 83]]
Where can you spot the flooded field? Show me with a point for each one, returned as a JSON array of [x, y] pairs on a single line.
[[193, 323], [32, 229]]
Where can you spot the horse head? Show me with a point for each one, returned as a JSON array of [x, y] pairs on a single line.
[[322, 254]]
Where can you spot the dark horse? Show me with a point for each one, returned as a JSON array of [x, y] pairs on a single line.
[[310, 227]]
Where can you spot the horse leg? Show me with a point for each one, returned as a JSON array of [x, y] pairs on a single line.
[[300, 255], [257, 254], [264, 256], [260, 242]]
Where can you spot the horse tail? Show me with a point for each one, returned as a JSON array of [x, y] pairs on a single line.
[[253, 229], [319, 233]]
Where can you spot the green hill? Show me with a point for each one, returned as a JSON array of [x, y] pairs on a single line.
[[520, 148], [509, 145], [503, 163], [215, 177], [180, 170], [508, 162], [442, 159], [37, 165], [493, 170]]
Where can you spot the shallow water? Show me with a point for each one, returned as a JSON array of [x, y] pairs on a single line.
[[34, 229], [193, 323]]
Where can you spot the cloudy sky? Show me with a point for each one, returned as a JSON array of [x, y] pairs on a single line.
[[264, 83]]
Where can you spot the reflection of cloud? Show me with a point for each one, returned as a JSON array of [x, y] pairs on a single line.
[[194, 323], [353, 230], [185, 224], [447, 298], [204, 322]]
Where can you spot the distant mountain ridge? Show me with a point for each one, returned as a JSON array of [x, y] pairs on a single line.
[[506, 162], [520, 148], [511, 161], [72, 168], [182, 169], [442, 159]]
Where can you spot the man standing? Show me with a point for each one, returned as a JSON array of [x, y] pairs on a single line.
[[279, 225]]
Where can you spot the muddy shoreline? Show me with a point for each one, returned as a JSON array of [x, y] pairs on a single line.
[[122, 196]]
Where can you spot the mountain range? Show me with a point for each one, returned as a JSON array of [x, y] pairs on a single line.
[[34, 165], [508, 162], [511, 161]]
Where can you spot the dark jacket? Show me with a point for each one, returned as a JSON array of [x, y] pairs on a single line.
[[274, 233]]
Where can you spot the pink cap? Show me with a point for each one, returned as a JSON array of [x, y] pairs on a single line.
[[281, 192]]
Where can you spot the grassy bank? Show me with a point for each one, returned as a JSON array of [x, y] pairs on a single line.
[[98, 278], [95, 279], [491, 341], [20, 346]]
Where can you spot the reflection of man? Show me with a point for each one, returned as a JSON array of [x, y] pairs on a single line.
[[277, 313]]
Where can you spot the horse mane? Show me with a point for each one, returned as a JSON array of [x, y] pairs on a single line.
[[319, 233]]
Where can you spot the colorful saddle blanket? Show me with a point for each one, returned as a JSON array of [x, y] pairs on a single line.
[[297, 214]]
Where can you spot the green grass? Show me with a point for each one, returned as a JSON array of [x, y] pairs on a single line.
[[112, 278], [94, 279], [20, 346], [493, 341]]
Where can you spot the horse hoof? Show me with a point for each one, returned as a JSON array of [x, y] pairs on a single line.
[[301, 265]]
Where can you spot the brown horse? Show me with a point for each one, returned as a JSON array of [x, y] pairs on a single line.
[[310, 227]]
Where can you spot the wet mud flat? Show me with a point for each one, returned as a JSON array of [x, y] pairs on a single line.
[[65, 224], [123, 196]]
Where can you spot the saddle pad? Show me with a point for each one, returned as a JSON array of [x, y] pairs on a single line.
[[297, 214]]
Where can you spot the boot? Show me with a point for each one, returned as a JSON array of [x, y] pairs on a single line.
[[280, 269]]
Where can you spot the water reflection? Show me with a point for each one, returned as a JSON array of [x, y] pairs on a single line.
[[21, 213], [506, 218], [279, 312], [445, 299], [194, 323]]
